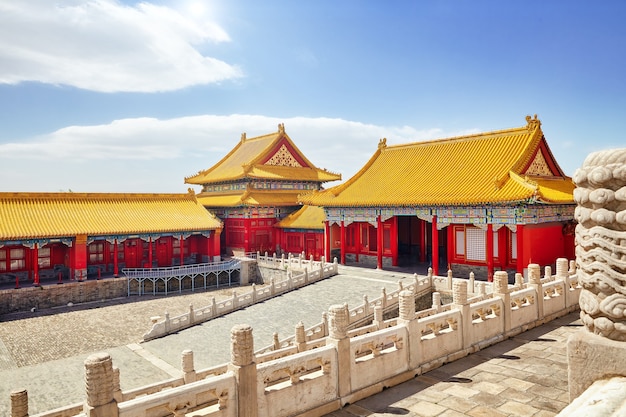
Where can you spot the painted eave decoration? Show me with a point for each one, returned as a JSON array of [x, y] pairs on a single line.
[[499, 167]]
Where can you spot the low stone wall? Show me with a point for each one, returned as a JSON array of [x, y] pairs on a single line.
[[480, 272], [48, 296], [368, 260]]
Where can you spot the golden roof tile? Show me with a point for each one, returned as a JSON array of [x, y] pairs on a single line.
[[308, 217], [48, 215], [475, 169], [272, 156]]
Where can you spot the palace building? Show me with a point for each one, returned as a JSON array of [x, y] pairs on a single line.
[[76, 235], [490, 201], [254, 187]]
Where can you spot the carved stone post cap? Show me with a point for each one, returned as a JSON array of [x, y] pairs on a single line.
[[501, 282], [18, 392], [242, 345], [459, 292], [97, 358]]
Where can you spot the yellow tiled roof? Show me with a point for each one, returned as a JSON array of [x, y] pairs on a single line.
[[47, 215], [474, 169], [246, 160], [308, 217], [250, 198]]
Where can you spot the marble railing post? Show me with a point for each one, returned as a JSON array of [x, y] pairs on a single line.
[[563, 274], [459, 302], [407, 318], [378, 317], [189, 373], [599, 350], [243, 366], [470, 284], [338, 320], [99, 386], [437, 301], [501, 289], [300, 337], [534, 281], [19, 403]]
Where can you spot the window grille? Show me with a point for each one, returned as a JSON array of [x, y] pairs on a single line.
[[475, 244]]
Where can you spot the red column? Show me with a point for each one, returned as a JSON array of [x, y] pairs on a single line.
[[379, 243], [181, 250], [115, 256], [450, 246], [209, 247], [150, 251], [327, 241], [490, 252], [422, 239], [520, 248], [217, 251], [435, 247], [35, 257], [343, 243], [246, 235], [80, 257], [394, 240]]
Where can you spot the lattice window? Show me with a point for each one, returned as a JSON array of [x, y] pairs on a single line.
[[283, 158], [539, 166], [475, 244]]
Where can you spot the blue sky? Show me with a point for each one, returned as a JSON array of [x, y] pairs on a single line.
[[108, 95]]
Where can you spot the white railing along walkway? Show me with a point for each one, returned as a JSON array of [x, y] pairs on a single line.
[[179, 273]]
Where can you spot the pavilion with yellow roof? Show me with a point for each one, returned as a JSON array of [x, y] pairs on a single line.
[[73, 235], [255, 186], [490, 201]]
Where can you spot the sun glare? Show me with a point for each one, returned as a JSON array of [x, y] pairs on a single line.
[[197, 8]]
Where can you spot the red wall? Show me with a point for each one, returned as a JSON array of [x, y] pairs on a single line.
[[544, 243]]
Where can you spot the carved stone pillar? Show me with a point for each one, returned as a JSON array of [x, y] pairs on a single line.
[[243, 366], [100, 386], [19, 403], [599, 351], [338, 320]]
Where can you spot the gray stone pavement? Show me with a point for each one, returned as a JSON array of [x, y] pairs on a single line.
[[44, 353]]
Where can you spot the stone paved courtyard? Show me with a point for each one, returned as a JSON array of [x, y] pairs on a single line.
[[44, 353]]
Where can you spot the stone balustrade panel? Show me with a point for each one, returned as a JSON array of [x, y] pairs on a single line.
[[438, 335], [523, 307], [553, 297], [377, 356], [215, 396], [487, 320], [301, 382]]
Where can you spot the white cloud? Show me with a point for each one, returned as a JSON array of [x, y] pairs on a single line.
[[152, 155], [105, 46]]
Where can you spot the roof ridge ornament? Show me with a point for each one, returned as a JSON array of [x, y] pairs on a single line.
[[281, 128], [243, 137], [532, 122], [382, 143]]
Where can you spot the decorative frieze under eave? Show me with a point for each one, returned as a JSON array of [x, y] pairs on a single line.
[[251, 212], [478, 216]]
